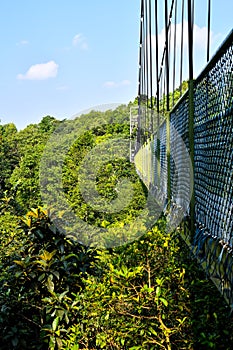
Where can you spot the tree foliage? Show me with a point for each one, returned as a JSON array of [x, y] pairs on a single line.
[[57, 294]]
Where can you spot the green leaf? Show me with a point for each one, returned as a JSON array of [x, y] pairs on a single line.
[[164, 301], [153, 331], [75, 347], [41, 277], [52, 343], [56, 274], [20, 263], [41, 262], [55, 323], [181, 321], [61, 296], [50, 285], [122, 341], [158, 291], [59, 343], [46, 256]]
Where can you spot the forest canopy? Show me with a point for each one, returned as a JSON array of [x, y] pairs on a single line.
[[142, 291]]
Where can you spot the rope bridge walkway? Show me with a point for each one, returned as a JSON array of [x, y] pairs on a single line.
[[183, 151]]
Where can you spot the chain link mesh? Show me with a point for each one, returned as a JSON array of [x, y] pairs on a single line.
[[213, 146], [212, 241], [179, 145]]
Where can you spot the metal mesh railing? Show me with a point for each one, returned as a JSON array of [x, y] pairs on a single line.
[[213, 145], [179, 145], [213, 159], [167, 171], [163, 162]]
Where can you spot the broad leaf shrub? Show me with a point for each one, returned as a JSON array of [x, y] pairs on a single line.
[[38, 279], [137, 301], [150, 294]]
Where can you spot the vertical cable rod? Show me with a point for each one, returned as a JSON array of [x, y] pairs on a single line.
[[181, 47], [151, 66], [174, 54], [167, 54], [208, 36], [146, 53], [190, 38], [191, 110], [157, 57]]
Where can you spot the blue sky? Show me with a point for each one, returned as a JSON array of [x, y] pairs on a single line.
[[61, 57]]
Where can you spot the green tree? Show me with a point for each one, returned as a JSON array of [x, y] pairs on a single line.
[[9, 154], [24, 179]]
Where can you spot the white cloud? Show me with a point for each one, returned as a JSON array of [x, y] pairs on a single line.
[[22, 43], [114, 84], [40, 71], [80, 41]]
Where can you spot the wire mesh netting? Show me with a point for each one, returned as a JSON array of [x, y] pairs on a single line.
[[213, 145], [213, 157], [179, 145], [164, 167]]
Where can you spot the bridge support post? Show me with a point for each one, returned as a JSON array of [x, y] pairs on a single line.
[[168, 147], [191, 150], [191, 109]]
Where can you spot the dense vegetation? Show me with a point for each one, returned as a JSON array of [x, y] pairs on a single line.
[[56, 293]]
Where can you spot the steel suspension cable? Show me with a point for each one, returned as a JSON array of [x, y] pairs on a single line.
[[140, 54], [192, 15], [167, 54], [190, 38], [174, 55], [151, 66], [144, 74], [146, 53], [181, 46], [168, 28], [141, 75], [157, 56], [208, 36]]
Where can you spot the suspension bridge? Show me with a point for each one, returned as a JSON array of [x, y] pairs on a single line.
[[183, 149]]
